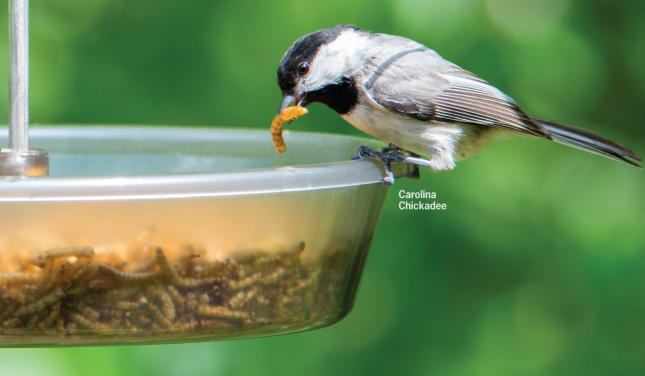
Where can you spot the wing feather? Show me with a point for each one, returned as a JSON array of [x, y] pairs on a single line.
[[422, 85]]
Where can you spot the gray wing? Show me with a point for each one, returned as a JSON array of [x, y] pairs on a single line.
[[420, 84]]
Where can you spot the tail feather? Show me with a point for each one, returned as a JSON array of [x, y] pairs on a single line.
[[589, 141]]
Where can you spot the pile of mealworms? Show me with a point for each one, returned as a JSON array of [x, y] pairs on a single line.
[[70, 291]]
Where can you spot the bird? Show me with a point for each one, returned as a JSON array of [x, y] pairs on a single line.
[[402, 92]]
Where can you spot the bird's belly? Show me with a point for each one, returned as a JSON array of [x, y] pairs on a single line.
[[436, 141], [405, 133]]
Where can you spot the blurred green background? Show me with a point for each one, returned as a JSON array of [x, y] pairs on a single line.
[[536, 268]]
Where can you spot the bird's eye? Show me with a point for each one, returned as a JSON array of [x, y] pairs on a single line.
[[303, 68]]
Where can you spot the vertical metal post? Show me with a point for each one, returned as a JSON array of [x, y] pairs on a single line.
[[19, 160], [19, 75]]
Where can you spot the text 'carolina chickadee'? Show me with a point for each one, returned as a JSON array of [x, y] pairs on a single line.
[[400, 91]]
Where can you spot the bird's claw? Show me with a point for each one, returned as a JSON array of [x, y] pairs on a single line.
[[389, 154]]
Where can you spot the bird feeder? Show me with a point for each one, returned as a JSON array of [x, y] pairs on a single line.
[[116, 235]]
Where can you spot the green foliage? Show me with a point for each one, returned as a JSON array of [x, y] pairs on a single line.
[[538, 265]]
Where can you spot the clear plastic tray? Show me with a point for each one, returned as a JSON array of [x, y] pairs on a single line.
[[152, 234]]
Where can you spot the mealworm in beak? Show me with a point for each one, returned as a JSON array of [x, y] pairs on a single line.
[[289, 113]]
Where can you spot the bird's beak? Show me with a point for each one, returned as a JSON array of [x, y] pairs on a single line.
[[289, 98]]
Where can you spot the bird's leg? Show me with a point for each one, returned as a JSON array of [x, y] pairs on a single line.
[[389, 154], [391, 148], [393, 153], [365, 152]]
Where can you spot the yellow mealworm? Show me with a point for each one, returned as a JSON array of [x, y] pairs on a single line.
[[51, 317], [288, 114], [127, 277], [84, 252], [221, 312], [43, 302]]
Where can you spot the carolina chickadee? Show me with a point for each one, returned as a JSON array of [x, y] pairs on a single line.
[[403, 92]]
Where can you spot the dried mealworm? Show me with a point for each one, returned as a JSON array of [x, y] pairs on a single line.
[[33, 321], [185, 326], [237, 300], [17, 278], [127, 277], [221, 312], [144, 321], [71, 328], [81, 272], [167, 305], [191, 302], [43, 302], [166, 269], [11, 323], [127, 305], [51, 317], [170, 273], [288, 114], [215, 323], [194, 282], [215, 268], [90, 313], [175, 295], [274, 277], [244, 283], [87, 322], [84, 252], [120, 293], [158, 316], [60, 324]]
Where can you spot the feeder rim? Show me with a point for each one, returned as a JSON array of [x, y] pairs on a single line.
[[297, 178]]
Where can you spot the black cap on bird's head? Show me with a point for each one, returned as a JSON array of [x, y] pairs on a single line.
[[295, 65]]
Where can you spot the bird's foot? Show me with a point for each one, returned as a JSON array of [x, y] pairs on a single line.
[[389, 154]]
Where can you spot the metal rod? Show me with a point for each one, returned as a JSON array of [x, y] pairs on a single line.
[[19, 75]]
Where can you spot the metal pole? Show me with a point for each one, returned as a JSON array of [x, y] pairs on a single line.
[[19, 75], [19, 160]]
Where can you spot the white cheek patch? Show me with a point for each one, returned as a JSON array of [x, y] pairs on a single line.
[[334, 60]]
